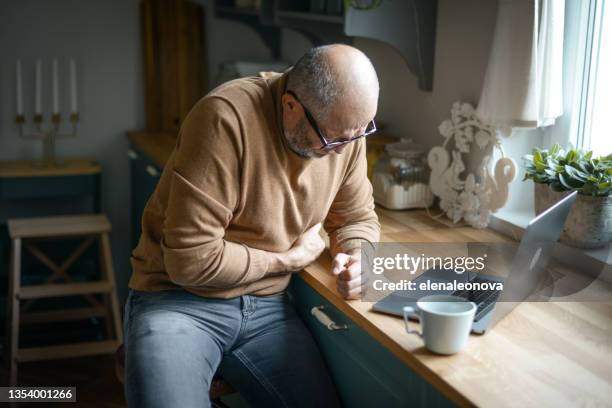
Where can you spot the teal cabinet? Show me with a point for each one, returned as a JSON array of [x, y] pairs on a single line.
[[365, 373], [144, 175]]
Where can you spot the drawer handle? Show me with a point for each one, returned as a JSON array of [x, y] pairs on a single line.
[[325, 320], [132, 154], [152, 171]]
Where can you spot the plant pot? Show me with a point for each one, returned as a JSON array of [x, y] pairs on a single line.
[[589, 223], [545, 198]]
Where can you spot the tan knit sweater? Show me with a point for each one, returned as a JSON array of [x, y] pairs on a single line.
[[232, 189]]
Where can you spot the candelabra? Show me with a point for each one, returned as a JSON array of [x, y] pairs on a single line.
[[48, 136]]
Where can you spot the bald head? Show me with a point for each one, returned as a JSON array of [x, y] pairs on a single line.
[[338, 84]]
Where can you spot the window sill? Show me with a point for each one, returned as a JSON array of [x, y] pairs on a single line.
[[511, 223]]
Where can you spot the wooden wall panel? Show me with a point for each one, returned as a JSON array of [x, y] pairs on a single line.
[[151, 83], [174, 61], [193, 46]]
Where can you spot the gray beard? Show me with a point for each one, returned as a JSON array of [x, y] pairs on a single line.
[[298, 140]]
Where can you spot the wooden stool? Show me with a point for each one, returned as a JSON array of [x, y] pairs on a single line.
[[90, 228]]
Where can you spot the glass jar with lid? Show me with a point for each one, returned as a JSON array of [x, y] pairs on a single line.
[[401, 176]]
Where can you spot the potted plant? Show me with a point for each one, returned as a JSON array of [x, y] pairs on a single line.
[[556, 172]]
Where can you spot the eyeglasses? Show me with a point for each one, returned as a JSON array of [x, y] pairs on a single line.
[[327, 144]]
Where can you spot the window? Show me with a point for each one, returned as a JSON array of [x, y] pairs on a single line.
[[594, 131], [587, 101]]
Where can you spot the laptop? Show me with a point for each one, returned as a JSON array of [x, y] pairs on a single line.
[[525, 277]]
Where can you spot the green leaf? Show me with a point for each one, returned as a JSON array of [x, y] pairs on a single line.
[[572, 170], [568, 183], [575, 174], [537, 156], [589, 189], [551, 173], [556, 186], [564, 182], [555, 149], [551, 162], [582, 165], [537, 178]]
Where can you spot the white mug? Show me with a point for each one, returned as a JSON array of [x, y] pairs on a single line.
[[446, 322]]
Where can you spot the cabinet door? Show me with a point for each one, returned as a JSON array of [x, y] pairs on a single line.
[[174, 60], [365, 373], [144, 177]]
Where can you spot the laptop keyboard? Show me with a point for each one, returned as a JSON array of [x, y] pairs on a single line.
[[484, 299]]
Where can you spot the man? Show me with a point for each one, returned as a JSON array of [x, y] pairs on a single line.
[[259, 164]]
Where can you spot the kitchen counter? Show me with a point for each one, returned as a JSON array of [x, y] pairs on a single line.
[[157, 146], [541, 354]]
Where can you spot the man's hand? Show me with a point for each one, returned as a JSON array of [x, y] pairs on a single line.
[[347, 269], [304, 251], [307, 248]]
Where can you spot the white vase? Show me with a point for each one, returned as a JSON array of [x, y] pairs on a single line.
[[545, 198], [589, 224]]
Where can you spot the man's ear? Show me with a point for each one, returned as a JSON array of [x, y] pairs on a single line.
[[290, 103], [291, 111]]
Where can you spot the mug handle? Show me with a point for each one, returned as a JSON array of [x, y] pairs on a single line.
[[407, 310]]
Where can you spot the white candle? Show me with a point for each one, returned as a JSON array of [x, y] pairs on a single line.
[[73, 85], [37, 100], [55, 87], [18, 88]]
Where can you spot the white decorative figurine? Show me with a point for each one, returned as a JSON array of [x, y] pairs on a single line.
[[471, 195]]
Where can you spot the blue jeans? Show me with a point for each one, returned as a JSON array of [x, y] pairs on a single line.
[[175, 342]]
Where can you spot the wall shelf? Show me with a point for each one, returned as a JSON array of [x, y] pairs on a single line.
[[318, 28], [258, 20], [236, 11], [310, 17], [409, 26]]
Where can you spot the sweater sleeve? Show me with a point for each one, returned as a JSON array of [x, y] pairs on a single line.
[[351, 218], [204, 191]]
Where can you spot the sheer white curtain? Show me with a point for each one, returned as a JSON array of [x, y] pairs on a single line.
[[523, 82]]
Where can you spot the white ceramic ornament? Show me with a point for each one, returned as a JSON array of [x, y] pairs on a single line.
[[471, 196]]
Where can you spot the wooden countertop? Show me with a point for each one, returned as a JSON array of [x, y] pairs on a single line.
[[36, 168], [542, 354], [156, 145]]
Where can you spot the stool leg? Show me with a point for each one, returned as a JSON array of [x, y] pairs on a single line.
[[109, 273], [13, 306], [108, 320], [106, 298]]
